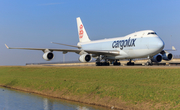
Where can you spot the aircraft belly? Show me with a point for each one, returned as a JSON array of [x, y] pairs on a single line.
[[141, 53]]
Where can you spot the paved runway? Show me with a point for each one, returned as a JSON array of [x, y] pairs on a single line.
[[138, 63]]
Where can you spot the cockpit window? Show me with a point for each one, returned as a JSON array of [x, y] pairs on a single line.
[[152, 33]]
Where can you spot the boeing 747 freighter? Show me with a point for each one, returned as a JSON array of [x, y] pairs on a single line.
[[142, 44]]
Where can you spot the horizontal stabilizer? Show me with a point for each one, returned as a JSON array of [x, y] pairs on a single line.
[[173, 49]]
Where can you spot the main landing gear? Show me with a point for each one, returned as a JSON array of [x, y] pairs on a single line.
[[102, 64], [130, 63], [116, 63], [99, 63], [106, 62]]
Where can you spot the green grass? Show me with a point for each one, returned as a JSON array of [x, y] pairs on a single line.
[[135, 85]]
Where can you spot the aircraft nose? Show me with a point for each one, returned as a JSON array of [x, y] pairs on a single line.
[[160, 44]]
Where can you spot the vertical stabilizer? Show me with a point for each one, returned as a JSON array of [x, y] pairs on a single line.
[[83, 37]]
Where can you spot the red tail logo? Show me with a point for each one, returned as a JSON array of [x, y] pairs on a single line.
[[81, 31]]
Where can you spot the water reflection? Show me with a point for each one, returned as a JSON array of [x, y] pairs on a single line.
[[48, 105], [82, 108], [16, 100]]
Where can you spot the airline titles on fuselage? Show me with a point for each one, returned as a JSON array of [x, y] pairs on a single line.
[[123, 43]]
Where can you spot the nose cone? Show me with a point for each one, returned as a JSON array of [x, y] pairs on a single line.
[[160, 44], [156, 45]]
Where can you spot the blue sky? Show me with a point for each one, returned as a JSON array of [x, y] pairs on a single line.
[[36, 23]]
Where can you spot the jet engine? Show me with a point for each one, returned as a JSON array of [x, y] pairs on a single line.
[[85, 58], [167, 56], [48, 56], [157, 58]]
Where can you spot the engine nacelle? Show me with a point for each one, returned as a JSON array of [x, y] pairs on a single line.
[[167, 56], [157, 58], [48, 56], [85, 58]]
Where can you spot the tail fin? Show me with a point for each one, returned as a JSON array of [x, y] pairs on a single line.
[[83, 37]]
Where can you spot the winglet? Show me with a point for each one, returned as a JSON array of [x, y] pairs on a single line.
[[173, 48], [6, 46]]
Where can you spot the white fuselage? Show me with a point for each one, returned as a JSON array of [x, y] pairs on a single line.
[[140, 44]]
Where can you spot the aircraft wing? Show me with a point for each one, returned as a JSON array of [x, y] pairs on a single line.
[[66, 45], [44, 49], [97, 52]]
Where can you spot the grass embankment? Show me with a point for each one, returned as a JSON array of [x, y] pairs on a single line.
[[145, 88]]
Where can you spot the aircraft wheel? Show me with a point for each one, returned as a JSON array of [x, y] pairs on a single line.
[[116, 64], [102, 64], [98, 63], [130, 63], [106, 63], [148, 64]]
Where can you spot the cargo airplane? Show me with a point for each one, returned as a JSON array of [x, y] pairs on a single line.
[[141, 44]]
